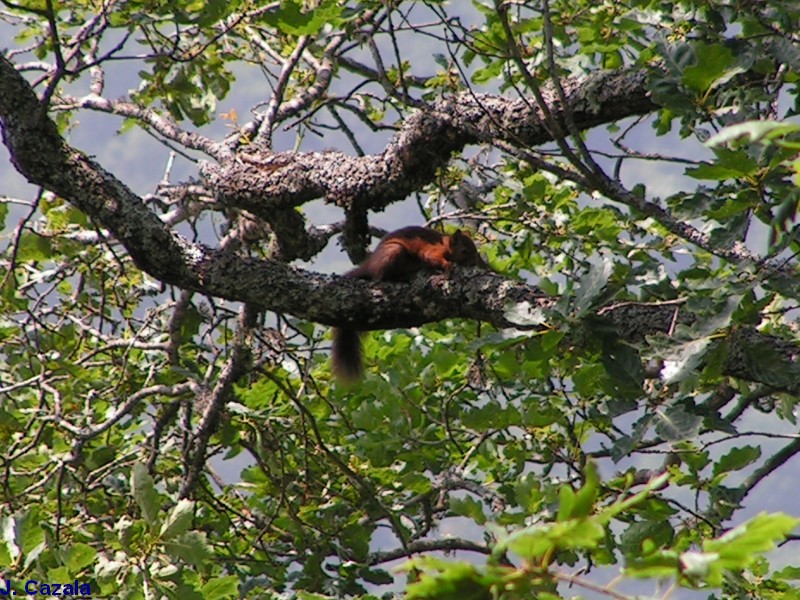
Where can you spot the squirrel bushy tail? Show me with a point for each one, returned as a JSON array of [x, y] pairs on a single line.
[[346, 354]]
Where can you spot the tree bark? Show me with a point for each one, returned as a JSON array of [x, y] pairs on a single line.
[[273, 185]]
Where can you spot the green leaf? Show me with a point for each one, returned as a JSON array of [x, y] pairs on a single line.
[[489, 73], [713, 172], [33, 247], [566, 502], [758, 534], [591, 284], [192, 548], [587, 495], [681, 361], [675, 424], [692, 456], [661, 565], [220, 588], [736, 459], [178, 520], [718, 316], [788, 573], [535, 541], [625, 444], [448, 581], [376, 576], [770, 366], [528, 494], [28, 532], [634, 537], [5, 552], [468, 507], [715, 65], [524, 314], [294, 18], [624, 504], [303, 595], [445, 360], [9, 425], [725, 500], [624, 367], [60, 573], [730, 164], [79, 556], [601, 223], [738, 547], [752, 131], [144, 492]]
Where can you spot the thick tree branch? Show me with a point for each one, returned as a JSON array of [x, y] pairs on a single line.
[[39, 152], [264, 182]]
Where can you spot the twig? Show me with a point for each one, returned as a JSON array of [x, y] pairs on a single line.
[[574, 579], [268, 122], [236, 365]]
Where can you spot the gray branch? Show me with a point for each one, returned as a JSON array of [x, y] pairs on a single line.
[[263, 182], [44, 158]]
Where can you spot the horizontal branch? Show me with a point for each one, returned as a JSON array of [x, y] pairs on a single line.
[[262, 182], [420, 546], [41, 154]]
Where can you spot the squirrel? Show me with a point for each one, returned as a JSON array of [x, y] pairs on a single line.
[[399, 255]]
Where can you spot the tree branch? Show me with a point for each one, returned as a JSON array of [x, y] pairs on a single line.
[[264, 182], [444, 545], [148, 117], [39, 152]]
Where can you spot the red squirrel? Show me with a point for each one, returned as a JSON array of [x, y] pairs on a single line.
[[399, 255]]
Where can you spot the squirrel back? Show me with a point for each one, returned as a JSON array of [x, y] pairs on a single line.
[[400, 255]]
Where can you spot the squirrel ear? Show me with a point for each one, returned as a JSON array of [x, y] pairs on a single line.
[[459, 234]]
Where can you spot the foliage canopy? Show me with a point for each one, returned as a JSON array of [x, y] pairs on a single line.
[[616, 398]]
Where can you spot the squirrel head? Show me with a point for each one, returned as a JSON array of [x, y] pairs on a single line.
[[463, 251]]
